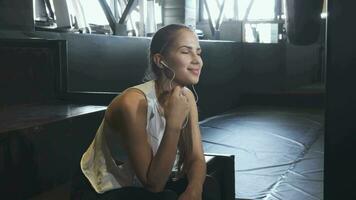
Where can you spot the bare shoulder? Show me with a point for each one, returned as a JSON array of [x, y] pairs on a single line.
[[131, 103]]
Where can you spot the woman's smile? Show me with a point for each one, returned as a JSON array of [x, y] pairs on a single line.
[[194, 71]]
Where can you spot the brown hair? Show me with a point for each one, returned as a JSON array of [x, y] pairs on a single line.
[[161, 43]]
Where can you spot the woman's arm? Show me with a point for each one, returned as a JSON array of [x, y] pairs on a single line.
[[127, 115], [195, 162]]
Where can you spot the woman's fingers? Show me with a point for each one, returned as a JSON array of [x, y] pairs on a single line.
[[183, 92], [177, 91], [178, 106]]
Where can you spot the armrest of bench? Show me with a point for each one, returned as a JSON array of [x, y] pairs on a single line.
[[222, 168]]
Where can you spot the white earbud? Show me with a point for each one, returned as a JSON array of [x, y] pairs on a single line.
[[164, 64]]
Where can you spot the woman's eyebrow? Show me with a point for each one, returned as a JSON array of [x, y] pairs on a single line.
[[189, 47]]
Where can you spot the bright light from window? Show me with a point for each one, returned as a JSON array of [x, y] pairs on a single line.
[[262, 9], [261, 33], [214, 10], [242, 5], [93, 12], [158, 13], [229, 9], [229, 12], [135, 17]]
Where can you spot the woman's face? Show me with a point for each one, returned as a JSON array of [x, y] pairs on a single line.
[[184, 58]]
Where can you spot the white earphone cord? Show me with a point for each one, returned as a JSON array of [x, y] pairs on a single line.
[[195, 93], [170, 84]]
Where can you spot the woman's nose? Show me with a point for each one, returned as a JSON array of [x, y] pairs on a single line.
[[196, 59]]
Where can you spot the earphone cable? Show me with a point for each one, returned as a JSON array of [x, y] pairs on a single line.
[[196, 94], [170, 85]]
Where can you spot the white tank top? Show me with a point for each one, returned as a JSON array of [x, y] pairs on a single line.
[[98, 162]]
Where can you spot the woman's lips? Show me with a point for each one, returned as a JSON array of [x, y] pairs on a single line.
[[195, 71]]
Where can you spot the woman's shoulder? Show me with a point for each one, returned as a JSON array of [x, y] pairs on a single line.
[[128, 102]]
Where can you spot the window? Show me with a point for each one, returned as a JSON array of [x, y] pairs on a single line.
[[94, 16], [258, 18], [258, 21], [262, 10], [261, 32], [259, 26], [141, 18], [93, 12], [215, 7]]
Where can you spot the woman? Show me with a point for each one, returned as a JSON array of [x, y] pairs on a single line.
[[151, 130]]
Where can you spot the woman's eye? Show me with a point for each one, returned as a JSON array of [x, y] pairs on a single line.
[[185, 52]]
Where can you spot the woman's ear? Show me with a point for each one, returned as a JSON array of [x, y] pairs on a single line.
[[158, 58]]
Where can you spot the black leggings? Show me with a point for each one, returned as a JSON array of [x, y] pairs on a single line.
[[82, 190]]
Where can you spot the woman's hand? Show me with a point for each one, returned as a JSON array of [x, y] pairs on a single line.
[[177, 108]]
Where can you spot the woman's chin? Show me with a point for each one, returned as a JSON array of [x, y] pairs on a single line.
[[191, 82], [195, 81], [188, 82]]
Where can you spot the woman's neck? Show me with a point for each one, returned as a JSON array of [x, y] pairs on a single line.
[[164, 88]]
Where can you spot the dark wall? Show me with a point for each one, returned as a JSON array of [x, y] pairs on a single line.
[[340, 139], [29, 71], [101, 63], [16, 15], [303, 64], [263, 67], [104, 63], [219, 88]]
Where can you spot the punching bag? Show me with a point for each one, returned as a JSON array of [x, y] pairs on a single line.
[[303, 21]]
